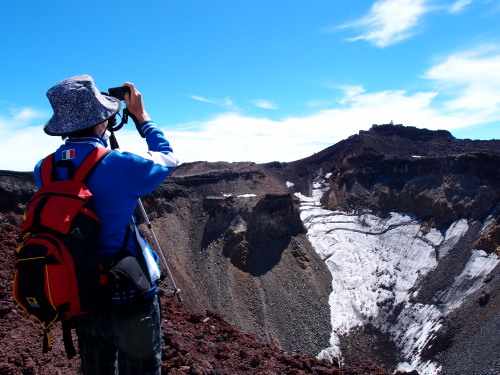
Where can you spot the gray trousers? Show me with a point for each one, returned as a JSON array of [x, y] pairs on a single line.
[[124, 340]]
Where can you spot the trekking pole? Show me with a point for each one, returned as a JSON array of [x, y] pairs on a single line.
[[157, 244], [114, 144]]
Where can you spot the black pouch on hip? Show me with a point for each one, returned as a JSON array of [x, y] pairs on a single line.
[[130, 268]]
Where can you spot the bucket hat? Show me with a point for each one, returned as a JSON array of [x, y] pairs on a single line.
[[78, 105]]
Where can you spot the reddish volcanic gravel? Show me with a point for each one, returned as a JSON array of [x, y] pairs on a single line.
[[197, 344], [208, 344]]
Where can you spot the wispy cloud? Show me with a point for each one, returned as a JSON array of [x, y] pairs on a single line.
[[22, 115], [470, 80], [18, 118], [263, 103], [466, 92], [459, 5], [389, 21], [234, 137], [202, 99], [25, 147], [350, 91], [229, 104], [226, 103]]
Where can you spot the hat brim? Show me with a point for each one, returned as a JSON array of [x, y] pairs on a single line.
[[58, 127]]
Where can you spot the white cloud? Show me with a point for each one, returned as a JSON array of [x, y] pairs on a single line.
[[21, 149], [459, 5], [19, 117], [350, 91], [466, 92], [389, 21], [202, 99], [229, 104], [470, 80], [21, 144], [263, 103], [226, 103], [233, 137]]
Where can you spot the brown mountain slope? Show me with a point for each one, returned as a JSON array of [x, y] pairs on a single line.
[[193, 343]]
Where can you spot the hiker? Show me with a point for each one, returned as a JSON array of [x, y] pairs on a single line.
[[124, 334]]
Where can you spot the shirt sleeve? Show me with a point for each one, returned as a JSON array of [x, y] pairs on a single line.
[[144, 172], [158, 145]]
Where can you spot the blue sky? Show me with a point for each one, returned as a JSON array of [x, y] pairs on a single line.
[[254, 80]]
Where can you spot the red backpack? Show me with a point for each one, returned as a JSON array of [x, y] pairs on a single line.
[[58, 273]]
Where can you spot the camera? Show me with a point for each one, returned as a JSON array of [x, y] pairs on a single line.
[[119, 92]]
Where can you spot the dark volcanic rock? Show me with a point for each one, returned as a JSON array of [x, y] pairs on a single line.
[[236, 247], [254, 241], [16, 188], [490, 239], [438, 178]]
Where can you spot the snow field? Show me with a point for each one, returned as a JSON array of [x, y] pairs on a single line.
[[376, 265]]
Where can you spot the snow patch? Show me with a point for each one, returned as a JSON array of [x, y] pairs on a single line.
[[376, 264], [453, 234], [404, 367], [480, 264], [240, 196]]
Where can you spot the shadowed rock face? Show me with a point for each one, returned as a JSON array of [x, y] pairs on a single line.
[[438, 178], [255, 234], [490, 239], [436, 189], [236, 246]]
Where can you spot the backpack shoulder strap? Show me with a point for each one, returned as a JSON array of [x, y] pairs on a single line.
[[47, 169], [90, 162]]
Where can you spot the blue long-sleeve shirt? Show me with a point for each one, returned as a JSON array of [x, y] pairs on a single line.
[[118, 181]]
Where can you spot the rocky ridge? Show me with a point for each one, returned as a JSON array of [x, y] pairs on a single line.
[[237, 248]]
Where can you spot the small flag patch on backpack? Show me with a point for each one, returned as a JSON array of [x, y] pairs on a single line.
[[68, 154]]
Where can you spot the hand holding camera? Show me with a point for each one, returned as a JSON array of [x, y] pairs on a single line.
[[119, 92], [135, 104], [133, 99]]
